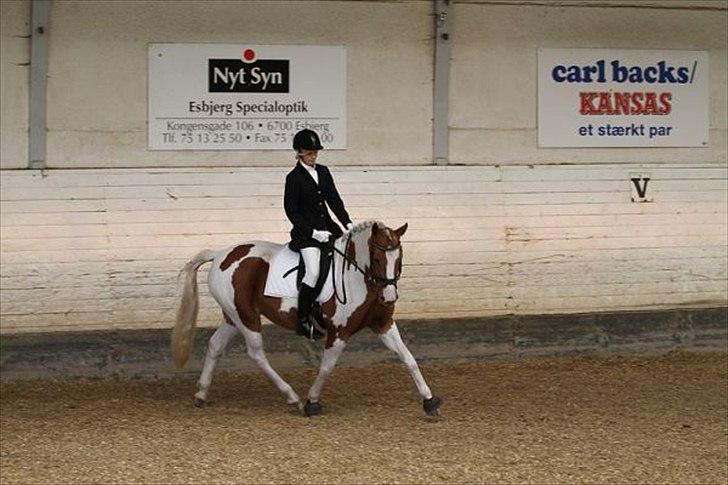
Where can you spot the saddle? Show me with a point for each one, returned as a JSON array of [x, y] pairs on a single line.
[[287, 270]]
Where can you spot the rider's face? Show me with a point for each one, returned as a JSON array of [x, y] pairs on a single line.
[[308, 157]]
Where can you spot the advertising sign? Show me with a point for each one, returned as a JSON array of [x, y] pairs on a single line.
[[622, 98], [245, 97]]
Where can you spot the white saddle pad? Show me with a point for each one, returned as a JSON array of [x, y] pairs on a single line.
[[278, 286]]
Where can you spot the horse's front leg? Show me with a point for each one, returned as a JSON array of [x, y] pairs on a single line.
[[393, 341], [331, 355]]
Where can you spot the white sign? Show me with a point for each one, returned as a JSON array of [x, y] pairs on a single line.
[[622, 98], [245, 97]]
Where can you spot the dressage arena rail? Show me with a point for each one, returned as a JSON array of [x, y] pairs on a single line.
[[145, 353]]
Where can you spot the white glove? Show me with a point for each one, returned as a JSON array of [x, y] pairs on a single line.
[[349, 226], [321, 236]]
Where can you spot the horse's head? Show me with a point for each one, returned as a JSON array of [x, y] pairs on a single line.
[[386, 261]]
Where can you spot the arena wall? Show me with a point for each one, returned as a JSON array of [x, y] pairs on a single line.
[[102, 248], [96, 241], [14, 83], [97, 75]]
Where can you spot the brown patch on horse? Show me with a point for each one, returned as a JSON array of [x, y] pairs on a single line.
[[358, 320], [239, 252], [270, 307], [247, 285], [381, 317], [328, 308], [385, 237]]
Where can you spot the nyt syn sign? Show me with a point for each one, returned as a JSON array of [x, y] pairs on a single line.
[[236, 76], [245, 97]]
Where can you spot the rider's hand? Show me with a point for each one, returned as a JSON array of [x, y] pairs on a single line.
[[321, 236], [349, 226]]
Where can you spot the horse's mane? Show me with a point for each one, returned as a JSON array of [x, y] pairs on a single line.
[[364, 225], [358, 236]]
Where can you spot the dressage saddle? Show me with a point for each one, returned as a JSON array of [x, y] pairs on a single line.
[[327, 256]]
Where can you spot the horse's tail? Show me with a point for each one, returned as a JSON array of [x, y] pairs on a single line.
[[184, 330]]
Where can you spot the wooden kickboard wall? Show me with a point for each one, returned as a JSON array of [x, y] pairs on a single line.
[[101, 249]]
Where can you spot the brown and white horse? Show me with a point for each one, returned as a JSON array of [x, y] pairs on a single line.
[[367, 266]]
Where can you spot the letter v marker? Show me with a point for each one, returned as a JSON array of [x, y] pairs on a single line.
[[639, 187]]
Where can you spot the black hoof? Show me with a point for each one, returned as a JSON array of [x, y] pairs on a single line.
[[432, 406], [312, 409], [199, 402]]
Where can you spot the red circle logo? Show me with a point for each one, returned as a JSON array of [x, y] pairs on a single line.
[[248, 55]]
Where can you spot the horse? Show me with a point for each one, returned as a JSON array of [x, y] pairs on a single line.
[[367, 265]]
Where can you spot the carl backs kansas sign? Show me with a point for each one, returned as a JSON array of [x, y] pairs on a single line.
[[622, 98], [245, 97]]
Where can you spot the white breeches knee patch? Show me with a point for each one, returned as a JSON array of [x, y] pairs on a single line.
[[311, 258]]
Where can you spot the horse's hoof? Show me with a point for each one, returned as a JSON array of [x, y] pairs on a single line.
[[432, 407], [199, 402], [297, 405], [312, 409]]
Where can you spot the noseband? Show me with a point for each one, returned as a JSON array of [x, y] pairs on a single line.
[[376, 279]]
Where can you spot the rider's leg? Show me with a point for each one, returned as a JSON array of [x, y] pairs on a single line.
[[219, 341], [312, 259], [307, 294]]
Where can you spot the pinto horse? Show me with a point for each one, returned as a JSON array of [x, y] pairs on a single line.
[[367, 265]]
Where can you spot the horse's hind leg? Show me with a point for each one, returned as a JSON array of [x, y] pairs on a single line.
[[254, 342], [219, 341]]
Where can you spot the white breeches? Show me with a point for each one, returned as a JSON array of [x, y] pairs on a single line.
[[311, 258]]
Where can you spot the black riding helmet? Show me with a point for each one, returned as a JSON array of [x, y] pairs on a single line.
[[307, 140]]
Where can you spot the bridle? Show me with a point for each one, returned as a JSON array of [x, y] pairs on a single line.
[[377, 280], [369, 275]]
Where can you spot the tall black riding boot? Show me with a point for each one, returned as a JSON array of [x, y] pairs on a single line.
[[306, 325]]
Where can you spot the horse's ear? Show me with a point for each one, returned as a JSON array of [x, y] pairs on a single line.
[[375, 229], [400, 232]]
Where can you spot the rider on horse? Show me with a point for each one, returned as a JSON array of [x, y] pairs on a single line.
[[309, 187]]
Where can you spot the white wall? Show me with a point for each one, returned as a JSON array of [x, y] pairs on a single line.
[[14, 83], [97, 75], [493, 82], [97, 87]]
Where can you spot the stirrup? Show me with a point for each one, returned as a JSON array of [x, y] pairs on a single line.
[[308, 329]]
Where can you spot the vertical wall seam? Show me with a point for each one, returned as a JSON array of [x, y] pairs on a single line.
[[441, 89], [38, 84]]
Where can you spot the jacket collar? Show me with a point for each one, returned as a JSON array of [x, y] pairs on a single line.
[[304, 171], [306, 168]]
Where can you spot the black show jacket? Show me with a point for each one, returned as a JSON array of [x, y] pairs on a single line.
[[305, 205]]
